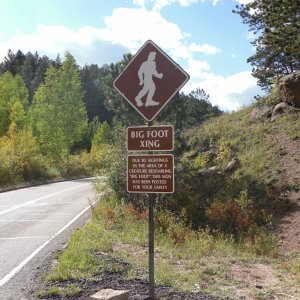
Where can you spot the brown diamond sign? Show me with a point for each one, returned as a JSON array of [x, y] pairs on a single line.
[[150, 80]]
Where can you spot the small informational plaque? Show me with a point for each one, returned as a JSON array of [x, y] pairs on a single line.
[[150, 173]]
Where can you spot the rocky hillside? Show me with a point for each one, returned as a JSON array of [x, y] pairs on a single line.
[[255, 152]]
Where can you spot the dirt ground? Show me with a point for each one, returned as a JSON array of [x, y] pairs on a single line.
[[289, 225]]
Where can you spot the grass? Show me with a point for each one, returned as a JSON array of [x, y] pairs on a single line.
[[214, 264], [291, 125], [251, 141], [292, 264], [78, 260]]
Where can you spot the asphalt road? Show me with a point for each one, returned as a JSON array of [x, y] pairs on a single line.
[[35, 222]]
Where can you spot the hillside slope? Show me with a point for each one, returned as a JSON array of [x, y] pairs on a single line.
[[267, 169]]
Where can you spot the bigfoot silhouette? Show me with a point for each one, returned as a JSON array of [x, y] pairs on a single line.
[[146, 72]]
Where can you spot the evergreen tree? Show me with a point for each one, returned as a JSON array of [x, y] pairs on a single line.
[[276, 23], [28, 72], [94, 98], [184, 111], [124, 113], [31, 67], [12, 62]]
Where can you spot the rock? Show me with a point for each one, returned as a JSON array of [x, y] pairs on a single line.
[[232, 165], [208, 152], [289, 87], [207, 171], [109, 294], [280, 109], [260, 112]]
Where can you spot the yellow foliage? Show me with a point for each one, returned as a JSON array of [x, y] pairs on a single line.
[[104, 156], [201, 161], [224, 151], [19, 157]]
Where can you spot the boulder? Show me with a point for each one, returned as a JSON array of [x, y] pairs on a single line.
[[207, 171], [289, 87], [110, 294], [232, 165], [280, 109], [260, 112], [208, 152]]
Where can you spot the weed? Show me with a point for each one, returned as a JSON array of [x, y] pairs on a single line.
[[72, 290], [68, 291], [53, 291]]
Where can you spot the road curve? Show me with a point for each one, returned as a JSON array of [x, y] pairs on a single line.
[[34, 222]]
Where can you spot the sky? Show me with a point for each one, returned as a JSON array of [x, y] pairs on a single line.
[[203, 36]]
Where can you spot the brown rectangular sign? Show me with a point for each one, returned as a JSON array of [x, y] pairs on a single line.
[[150, 173], [150, 138]]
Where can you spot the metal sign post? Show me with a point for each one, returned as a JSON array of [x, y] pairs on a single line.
[[151, 228], [148, 83], [151, 199]]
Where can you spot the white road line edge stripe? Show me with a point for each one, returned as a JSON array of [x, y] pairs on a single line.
[[33, 210], [23, 237], [54, 203], [49, 214], [37, 220], [34, 253], [37, 199]]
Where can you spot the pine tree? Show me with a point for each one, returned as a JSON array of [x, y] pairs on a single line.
[[276, 23], [94, 98]]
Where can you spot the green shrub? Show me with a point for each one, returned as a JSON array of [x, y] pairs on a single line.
[[261, 242], [110, 158], [82, 164], [201, 160], [173, 226], [103, 135]]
